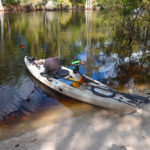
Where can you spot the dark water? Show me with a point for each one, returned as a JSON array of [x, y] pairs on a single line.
[[116, 49]]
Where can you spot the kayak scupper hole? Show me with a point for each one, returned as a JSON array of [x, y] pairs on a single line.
[[60, 90]]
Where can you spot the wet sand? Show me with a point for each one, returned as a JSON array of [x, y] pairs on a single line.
[[97, 129], [16, 127], [91, 128]]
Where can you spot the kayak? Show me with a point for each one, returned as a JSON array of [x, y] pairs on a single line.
[[93, 92]]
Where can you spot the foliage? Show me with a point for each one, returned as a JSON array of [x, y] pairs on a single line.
[[70, 33], [104, 3]]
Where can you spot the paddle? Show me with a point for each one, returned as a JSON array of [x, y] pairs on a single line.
[[77, 63], [137, 98]]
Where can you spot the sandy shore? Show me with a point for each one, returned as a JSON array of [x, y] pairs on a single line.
[[94, 130]]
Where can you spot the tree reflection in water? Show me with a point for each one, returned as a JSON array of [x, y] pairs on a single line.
[[131, 43], [116, 46]]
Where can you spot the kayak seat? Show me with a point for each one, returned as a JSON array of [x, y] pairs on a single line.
[[53, 68], [59, 73]]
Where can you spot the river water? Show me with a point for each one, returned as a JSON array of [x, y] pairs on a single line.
[[117, 53]]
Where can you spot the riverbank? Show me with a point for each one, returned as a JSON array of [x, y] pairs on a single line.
[[49, 6], [97, 129], [29, 8]]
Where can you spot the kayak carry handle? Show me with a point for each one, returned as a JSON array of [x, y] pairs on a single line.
[[78, 63]]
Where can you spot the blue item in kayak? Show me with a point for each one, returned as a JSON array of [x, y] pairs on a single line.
[[66, 81]]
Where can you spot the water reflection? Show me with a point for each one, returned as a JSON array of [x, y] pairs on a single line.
[[2, 24], [117, 51], [33, 106]]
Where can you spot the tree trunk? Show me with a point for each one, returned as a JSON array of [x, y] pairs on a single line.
[[88, 50], [1, 6], [88, 4], [2, 25]]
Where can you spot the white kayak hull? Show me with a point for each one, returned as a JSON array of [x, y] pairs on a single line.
[[118, 103]]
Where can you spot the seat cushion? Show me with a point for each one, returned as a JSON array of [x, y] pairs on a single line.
[[60, 73], [52, 64]]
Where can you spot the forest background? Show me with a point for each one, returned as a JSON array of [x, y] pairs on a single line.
[[28, 5]]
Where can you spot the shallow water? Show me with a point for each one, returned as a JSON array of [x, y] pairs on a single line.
[[112, 50]]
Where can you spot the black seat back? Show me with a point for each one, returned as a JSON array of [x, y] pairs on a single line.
[[52, 64], [53, 68]]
